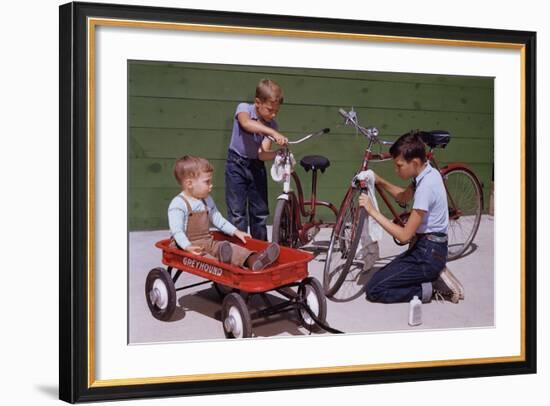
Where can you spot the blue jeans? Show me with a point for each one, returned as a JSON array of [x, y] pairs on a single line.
[[246, 194], [409, 274]]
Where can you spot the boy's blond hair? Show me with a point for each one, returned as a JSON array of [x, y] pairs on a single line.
[[269, 91], [189, 167]]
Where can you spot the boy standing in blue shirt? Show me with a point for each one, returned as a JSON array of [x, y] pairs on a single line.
[[420, 271], [245, 173]]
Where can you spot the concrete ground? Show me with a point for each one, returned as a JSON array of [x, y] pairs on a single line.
[[198, 313]]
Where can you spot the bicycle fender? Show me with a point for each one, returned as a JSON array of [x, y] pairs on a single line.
[[454, 165]]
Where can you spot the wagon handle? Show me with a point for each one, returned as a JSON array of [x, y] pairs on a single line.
[[317, 321]]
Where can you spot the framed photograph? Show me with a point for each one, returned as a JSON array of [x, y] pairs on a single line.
[[143, 87]]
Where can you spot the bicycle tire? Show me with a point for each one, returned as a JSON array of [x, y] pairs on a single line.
[[283, 232], [464, 219], [343, 243]]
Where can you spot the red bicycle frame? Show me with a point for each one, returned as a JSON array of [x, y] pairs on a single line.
[[299, 204]]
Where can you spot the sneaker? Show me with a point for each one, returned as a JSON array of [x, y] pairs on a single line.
[[225, 252], [444, 289], [455, 282], [263, 259]]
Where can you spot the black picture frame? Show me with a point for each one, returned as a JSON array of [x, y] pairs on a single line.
[[75, 382]]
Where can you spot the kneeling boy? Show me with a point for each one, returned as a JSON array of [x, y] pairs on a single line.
[[419, 271]]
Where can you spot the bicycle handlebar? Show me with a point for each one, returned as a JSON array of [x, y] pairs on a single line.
[[315, 134], [343, 113], [371, 132]]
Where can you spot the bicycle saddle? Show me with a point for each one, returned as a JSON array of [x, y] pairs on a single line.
[[315, 162], [435, 138]]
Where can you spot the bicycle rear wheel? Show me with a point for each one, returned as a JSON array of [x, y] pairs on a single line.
[[465, 199], [284, 230], [343, 242]]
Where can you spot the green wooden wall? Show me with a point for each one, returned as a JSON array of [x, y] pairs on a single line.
[[185, 108]]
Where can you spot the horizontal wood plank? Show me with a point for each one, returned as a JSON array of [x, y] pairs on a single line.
[[187, 108]]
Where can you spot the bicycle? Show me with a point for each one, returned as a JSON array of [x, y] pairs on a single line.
[[288, 227], [464, 196]]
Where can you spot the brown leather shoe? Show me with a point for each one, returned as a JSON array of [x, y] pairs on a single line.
[[225, 252], [261, 260]]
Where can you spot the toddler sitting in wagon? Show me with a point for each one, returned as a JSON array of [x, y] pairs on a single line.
[[191, 212]]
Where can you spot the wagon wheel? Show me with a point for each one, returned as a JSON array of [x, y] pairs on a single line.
[[236, 317], [160, 294], [312, 294]]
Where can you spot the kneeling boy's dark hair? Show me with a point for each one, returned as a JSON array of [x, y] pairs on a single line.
[[410, 146]]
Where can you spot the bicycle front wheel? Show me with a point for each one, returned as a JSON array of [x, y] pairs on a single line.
[[465, 200], [343, 242], [284, 230]]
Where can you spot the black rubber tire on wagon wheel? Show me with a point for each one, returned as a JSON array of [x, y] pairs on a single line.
[[160, 294]]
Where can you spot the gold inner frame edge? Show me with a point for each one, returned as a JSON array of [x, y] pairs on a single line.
[[93, 22]]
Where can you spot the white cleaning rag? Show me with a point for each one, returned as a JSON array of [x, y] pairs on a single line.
[[278, 166], [368, 249]]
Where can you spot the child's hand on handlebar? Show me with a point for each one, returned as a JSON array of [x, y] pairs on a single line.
[[280, 139], [241, 235]]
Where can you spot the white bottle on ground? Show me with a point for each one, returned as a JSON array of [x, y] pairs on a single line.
[[415, 311]]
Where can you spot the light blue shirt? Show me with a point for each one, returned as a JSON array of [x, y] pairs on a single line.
[[242, 142], [431, 197], [178, 216]]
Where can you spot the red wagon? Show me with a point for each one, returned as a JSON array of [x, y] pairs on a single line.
[[288, 276]]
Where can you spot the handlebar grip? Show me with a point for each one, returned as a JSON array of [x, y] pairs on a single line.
[[325, 130]]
